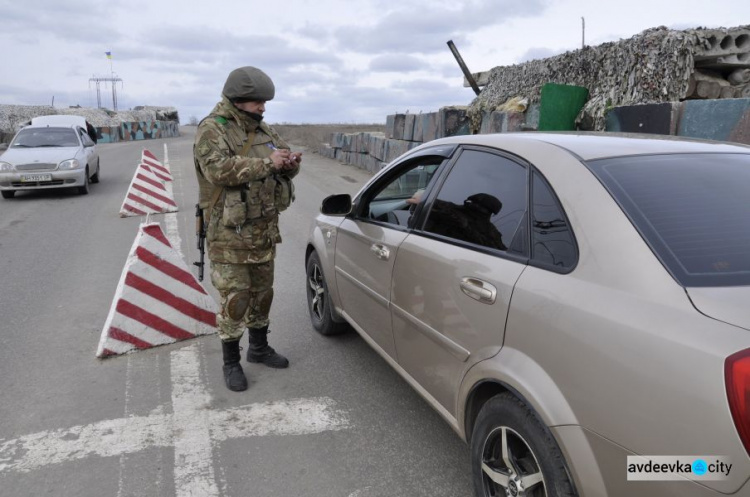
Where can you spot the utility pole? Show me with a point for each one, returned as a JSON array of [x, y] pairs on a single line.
[[583, 32]]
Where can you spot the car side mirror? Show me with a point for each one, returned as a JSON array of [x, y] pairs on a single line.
[[337, 205]]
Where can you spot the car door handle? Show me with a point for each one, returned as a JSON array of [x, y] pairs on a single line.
[[479, 290], [380, 251]]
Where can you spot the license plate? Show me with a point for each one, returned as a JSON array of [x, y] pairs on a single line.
[[34, 178]]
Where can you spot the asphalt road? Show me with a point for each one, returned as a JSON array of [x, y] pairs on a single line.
[[338, 422]]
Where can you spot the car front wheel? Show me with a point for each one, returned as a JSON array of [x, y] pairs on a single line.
[[514, 454], [95, 177], [83, 190], [319, 300]]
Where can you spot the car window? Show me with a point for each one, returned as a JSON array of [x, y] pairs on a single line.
[[87, 141], [692, 209], [552, 239], [45, 137], [395, 201], [482, 201]]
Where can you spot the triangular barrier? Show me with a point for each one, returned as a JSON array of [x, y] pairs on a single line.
[[157, 301], [147, 194], [160, 169]]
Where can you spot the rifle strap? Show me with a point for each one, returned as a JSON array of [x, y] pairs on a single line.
[[216, 193]]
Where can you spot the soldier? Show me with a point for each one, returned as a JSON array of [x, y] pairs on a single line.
[[244, 172]]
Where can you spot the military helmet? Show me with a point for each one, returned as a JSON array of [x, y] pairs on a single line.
[[248, 84]]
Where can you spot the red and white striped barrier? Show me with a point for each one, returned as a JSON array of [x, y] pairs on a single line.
[[157, 301], [147, 194], [160, 170]]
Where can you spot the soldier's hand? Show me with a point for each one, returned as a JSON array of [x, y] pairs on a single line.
[[295, 158], [280, 158]]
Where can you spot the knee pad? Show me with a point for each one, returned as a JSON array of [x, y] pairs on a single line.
[[237, 304]]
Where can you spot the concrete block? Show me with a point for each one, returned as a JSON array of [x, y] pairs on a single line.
[[725, 119], [532, 116], [399, 123], [390, 123], [514, 121], [659, 119], [409, 120], [418, 126], [430, 126], [377, 149], [492, 122], [108, 134], [453, 121], [395, 148]]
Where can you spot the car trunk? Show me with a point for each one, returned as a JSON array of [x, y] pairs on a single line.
[[729, 304]]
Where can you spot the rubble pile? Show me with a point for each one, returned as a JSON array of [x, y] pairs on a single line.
[[657, 65], [13, 117]]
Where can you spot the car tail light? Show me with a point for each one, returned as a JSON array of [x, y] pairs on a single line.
[[737, 374]]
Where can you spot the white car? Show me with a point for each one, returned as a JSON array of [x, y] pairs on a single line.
[[51, 152]]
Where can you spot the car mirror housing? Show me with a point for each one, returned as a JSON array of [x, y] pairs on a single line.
[[337, 205]]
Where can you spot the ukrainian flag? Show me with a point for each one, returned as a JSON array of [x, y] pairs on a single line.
[[109, 55]]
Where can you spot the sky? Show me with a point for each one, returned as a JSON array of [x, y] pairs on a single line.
[[332, 61]]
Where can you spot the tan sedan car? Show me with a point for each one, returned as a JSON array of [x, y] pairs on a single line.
[[576, 306]]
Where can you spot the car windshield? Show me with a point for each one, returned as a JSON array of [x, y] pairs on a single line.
[[45, 137], [692, 209]]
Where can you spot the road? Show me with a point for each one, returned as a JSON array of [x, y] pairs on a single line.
[[338, 422]]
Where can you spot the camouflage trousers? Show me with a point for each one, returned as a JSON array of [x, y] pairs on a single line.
[[246, 292]]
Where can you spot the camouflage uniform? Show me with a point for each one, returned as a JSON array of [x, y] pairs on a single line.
[[242, 230]]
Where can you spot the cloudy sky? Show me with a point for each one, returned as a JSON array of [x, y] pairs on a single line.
[[333, 61]]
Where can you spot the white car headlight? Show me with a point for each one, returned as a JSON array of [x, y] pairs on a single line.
[[6, 167], [69, 164]]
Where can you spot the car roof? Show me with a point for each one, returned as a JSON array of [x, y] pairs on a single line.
[[599, 145], [59, 120]]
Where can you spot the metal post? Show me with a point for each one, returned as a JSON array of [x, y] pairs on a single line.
[[583, 32], [465, 69]]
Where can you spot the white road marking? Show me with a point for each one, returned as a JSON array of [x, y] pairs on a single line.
[[192, 429], [173, 232], [193, 458], [170, 219]]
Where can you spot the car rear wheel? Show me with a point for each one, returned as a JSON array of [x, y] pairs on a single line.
[[319, 300], [514, 454], [95, 177], [8, 193], [84, 190]]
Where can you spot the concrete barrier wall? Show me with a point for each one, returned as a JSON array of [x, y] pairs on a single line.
[[143, 130], [722, 119], [403, 132]]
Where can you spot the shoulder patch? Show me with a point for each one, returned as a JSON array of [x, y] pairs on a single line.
[[221, 120]]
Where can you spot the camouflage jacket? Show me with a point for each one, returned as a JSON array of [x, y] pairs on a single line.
[[243, 224]]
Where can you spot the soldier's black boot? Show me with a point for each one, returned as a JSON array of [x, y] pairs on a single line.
[[261, 352], [234, 377]]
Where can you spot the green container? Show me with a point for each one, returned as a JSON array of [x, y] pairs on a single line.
[[560, 105]]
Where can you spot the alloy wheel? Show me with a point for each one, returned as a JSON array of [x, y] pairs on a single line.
[[509, 466], [316, 290]]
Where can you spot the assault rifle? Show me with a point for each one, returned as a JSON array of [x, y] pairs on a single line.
[[200, 232]]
